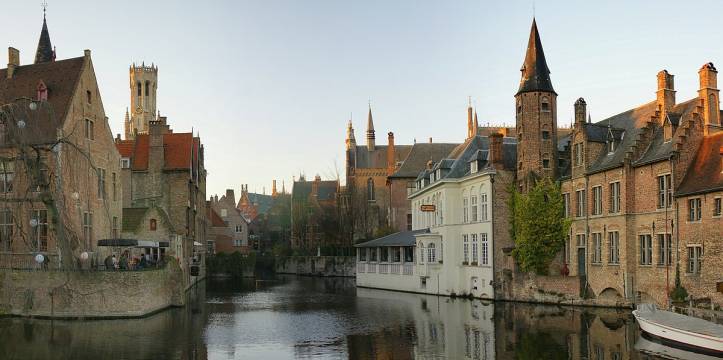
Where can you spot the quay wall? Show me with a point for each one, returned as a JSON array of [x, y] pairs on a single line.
[[90, 294], [317, 265]]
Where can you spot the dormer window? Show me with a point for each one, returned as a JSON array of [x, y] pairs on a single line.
[[611, 146], [42, 91], [125, 163], [431, 177], [439, 174], [473, 167]]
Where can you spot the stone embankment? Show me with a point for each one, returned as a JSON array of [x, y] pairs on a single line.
[[90, 294], [317, 265]]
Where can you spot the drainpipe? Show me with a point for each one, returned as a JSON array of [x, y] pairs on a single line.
[[494, 238]]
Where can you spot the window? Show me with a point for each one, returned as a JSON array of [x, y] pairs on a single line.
[[409, 222], [545, 163], [438, 174], [115, 187], [566, 203], [7, 176], [473, 167], [614, 247], [694, 210], [39, 174], [431, 253], [89, 129], [611, 145], [370, 189], [239, 229], [646, 249], [465, 248], [373, 254], [125, 163], [408, 254], [614, 197], [475, 250], [581, 241], [717, 207], [101, 183], [474, 208], [597, 200], [665, 251], [384, 256], [363, 254], [224, 212], [6, 229], [39, 218], [485, 249], [139, 88], [88, 228], [665, 192], [567, 249], [580, 210], [695, 254], [115, 227], [396, 254], [465, 210], [148, 83], [597, 248], [42, 91], [483, 206], [545, 135], [578, 154], [153, 225], [237, 242], [88, 97], [421, 253], [545, 104]]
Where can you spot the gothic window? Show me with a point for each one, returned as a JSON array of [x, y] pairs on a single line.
[[370, 189], [139, 88], [42, 91], [148, 85], [153, 224], [545, 105]]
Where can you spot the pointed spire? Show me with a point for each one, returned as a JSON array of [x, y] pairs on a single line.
[[470, 119], [535, 73], [45, 51], [370, 130], [476, 123]]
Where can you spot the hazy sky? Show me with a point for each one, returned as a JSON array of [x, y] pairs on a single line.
[[270, 84]]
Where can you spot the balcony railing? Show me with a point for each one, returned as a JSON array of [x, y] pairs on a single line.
[[385, 268]]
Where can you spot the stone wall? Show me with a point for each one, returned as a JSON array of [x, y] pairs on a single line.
[[90, 294], [317, 265]]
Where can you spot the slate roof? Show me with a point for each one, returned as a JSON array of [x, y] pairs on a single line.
[[45, 52], [177, 154], [705, 173], [327, 189], [403, 238], [264, 202], [366, 159], [419, 155], [61, 79], [535, 73]]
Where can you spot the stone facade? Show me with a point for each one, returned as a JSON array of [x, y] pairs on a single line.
[[143, 87], [83, 182]]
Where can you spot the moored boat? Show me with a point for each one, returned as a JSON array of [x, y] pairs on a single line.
[[681, 330]]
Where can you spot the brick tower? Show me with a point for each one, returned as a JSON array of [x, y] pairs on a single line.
[[143, 84], [536, 102]]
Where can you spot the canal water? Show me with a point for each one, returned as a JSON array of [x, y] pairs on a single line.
[[329, 318]]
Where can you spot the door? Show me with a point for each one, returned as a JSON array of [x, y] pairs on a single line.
[[581, 262]]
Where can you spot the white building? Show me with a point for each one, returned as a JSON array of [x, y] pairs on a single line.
[[450, 250]]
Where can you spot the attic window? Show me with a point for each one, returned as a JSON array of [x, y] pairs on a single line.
[[668, 131], [42, 91], [611, 146], [125, 163], [439, 174], [473, 167]]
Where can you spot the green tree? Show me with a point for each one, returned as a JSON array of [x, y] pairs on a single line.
[[538, 225]]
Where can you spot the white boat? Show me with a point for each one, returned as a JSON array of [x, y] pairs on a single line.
[[662, 351], [680, 329]]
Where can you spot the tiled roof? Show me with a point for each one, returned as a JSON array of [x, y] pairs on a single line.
[[60, 78], [366, 159], [327, 189], [403, 238], [215, 218], [177, 153], [419, 155], [705, 173]]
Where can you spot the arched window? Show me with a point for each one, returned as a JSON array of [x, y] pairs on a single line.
[[139, 89], [431, 253], [370, 189], [153, 224], [42, 91]]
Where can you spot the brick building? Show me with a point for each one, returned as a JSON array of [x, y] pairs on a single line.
[[315, 214], [71, 175], [238, 224]]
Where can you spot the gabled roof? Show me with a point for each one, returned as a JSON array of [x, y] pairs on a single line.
[[216, 220], [376, 159], [418, 156], [705, 173], [327, 189], [180, 151], [60, 78], [535, 73]]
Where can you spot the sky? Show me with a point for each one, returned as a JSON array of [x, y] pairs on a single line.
[[270, 85]]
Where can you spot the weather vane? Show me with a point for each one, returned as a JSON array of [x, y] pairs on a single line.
[[44, 4]]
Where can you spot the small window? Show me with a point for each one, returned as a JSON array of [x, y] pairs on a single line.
[[545, 135], [89, 96], [89, 129], [545, 106], [153, 224], [473, 167], [224, 212], [125, 163], [717, 207], [139, 89], [694, 209], [545, 163], [148, 84], [611, 146]]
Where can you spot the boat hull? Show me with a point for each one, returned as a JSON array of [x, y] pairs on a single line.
[[708, 344]]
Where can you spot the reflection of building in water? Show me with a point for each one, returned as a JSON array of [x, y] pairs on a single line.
[[443, 328]]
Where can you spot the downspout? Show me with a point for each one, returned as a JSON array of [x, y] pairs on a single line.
[[494, 236]]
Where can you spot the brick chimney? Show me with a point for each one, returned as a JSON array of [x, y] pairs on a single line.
[[315, 185], [708, 95], [391, 165], [273, 189], [13, 61], [495, 156], [665, 94], [230, 196], [156, 151], [580, 111]]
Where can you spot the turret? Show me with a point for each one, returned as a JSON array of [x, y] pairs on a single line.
[[708, 94], [143, 86]]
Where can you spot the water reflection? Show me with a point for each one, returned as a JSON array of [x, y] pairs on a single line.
[[307, 318]]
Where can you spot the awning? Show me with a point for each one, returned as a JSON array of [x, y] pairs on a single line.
[[132, 243]]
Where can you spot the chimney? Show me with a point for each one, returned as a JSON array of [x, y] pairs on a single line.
[[156, 156], [315, 185], [665, 94], [708, 95], [580, 110], [430, 139], [470, 122], [13, 61], [391, 165], [429, 164], [494, 157]]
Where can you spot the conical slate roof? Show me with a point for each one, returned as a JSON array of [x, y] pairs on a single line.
[[45, 49], [535, 73]]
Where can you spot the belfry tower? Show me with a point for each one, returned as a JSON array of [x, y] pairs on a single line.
[[143, 84], [536, 117]]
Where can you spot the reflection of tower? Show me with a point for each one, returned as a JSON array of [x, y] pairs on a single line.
[[143, 84]]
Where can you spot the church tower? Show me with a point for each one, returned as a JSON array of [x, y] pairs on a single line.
[[536, 117], [143, 84]]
